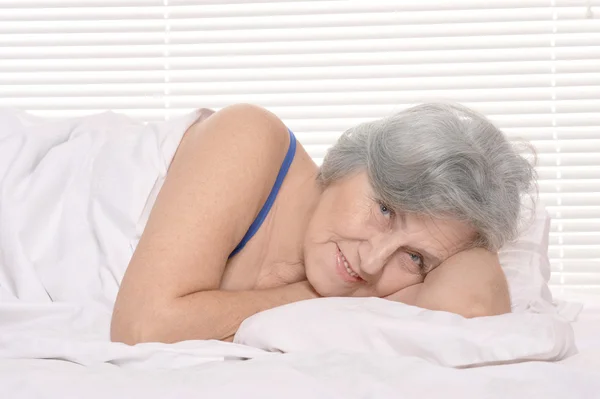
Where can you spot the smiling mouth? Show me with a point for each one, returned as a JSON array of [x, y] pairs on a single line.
[[345, 269]]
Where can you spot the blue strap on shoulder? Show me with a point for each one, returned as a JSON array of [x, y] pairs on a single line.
[[285, 166]]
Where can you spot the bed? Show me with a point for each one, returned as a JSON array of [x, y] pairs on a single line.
[[75, 196], [163, 372]]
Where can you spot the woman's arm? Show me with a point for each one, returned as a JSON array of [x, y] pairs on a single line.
[[205, 314], [219, 178], [470, 283]]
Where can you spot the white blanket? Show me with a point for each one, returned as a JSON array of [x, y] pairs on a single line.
[[72, 201], [74, 197]]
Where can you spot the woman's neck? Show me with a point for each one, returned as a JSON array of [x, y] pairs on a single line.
[[292, 214]]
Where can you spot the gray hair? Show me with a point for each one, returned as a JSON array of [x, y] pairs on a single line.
[[443, 160]]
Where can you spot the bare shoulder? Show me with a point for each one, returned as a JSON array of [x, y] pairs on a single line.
[[470, 283], [234, 157], [220, 176], [249, 127]]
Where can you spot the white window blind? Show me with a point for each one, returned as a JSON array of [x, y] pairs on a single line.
[[532, 66]]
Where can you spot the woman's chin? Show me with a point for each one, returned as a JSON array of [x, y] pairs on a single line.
[[325, 285], [320, 289], [323, 288], [326, 289]]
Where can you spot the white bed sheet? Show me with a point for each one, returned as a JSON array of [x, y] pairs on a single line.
[[587, 334], [314, 375]]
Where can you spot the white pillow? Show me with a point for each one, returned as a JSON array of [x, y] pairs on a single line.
[[527, 268], [387, 328]]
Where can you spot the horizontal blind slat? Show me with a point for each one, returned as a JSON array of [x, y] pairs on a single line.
[[188, 20], [148, 43], [575, 225], [450, 31], [270, 7], [569, 172], [580, 212], [568, 159], [66, 80], [575, 239], [274, 72], [574, 251], [576, 279], [570, 199], [575, 266], [567, 146], [560, 290]]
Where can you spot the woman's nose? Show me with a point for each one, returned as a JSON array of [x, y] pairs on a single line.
[[375, 253]]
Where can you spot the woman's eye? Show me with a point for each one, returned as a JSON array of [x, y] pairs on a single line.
[[385, 210], [416, 258]]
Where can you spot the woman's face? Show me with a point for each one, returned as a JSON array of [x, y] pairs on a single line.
[[356, 246]]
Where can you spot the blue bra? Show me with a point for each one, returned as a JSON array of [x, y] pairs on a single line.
[[285, 166]]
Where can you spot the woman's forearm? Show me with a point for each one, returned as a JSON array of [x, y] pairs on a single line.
[[204, 315], [470, 283]]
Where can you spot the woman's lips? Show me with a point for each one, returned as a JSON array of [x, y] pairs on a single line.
[[346, 275]]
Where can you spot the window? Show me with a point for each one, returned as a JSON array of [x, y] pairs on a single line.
[[532, 66]]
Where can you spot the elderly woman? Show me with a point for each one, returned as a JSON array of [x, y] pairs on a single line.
[[411, 207]]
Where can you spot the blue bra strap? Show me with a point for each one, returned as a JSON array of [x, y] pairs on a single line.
[[285, 166]]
